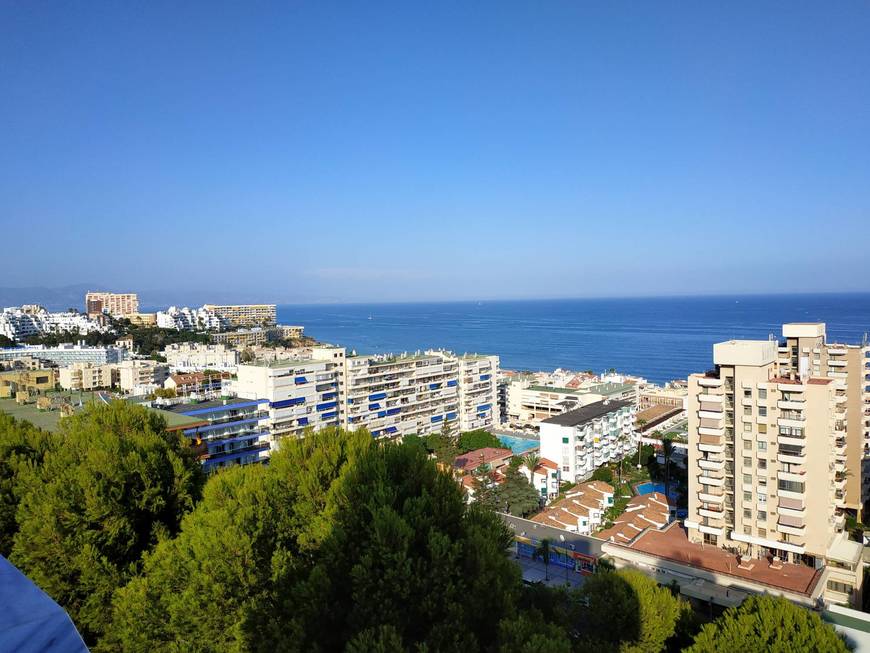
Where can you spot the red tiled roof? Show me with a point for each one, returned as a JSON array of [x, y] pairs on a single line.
[[672, 543], [820, 381], [474, 459]]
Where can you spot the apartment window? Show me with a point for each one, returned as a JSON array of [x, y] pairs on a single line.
[[842, 588], [747, 462], [747, 479], [747, 496], [565, 440], [762, 515], [747, 445], [762, 532], [747, 513], [747, 427], [762, 464], [747, 393], [762, 499], [762, 393], [747, 530], [762, 428], [762, 411], [747, 410]]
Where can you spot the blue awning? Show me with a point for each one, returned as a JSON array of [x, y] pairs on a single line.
[[374, 406], [485, 377], [391, 429], [382, 413], [295, 401], [326, 406], [377, 395], [394, 411], [329, 395], [437, 418], [434, 386], [303, 421], [222, 407], [326, 416], [451, 415], [300, 379], [484, 407], [451, 383]]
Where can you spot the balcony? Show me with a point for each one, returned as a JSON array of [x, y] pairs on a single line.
[[712, 512], [706, 463], [711, 398], [790, 529], [791, 440], [707, 414], [791, 508], [791, 404], [792, 459], [710, 382], [794, 475], [791, 422], [705, 430], [790, 387], [711, 496], [712, 530], [711, 480]]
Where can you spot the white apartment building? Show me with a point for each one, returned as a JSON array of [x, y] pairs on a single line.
[[528, 403], [418, 393], [67, 354], [478, 393], [302, 394], [189, 319], [20, 323], [583, 439], [768, 462], [193, 357], [135, 376], [85, 376]]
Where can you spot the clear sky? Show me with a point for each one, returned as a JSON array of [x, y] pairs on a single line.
[[361, 151]]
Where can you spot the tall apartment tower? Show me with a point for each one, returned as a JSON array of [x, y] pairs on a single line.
[[115, 304], [768, 461], [806, 352]]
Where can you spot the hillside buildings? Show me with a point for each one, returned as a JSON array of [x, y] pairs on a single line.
[[529, 403], [257, 336], [114, 304], [189, 319], [29, 321], [585, 438], [129, 376], [769, 455], [193, 357], [244, 315]]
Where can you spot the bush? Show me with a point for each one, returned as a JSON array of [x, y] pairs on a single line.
[[603, 474], [479, 439]]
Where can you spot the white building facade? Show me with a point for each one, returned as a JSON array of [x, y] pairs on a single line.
[[20, 323], [193, 357], [582, 440]]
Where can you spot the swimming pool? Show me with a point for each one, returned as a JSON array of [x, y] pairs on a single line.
[[649, 487], [518, 445]]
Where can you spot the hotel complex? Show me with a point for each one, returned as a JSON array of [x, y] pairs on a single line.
[[245, 315], [115, 304], [769, 452]]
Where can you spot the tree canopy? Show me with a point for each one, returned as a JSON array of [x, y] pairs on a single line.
[[110, 485], [477, 439], [767, 624]]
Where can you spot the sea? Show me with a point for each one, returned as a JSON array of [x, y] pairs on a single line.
[[658, 338]]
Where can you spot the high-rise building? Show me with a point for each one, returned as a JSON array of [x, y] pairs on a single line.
[[115, 304], [245, 315], [420, 393], [768, 461], [301, 394]]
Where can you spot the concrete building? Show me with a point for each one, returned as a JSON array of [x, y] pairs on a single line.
[[415, 393], [806, 352], [193, 357], [581, 510], [85, 376], [301, 394], [528, 403], [232, 432], [242, 338], [140, 376], [197, 384], [583, 439], [143, 319], [23, 384], [768, 463], [67, 354], [115, 304], [478, 395], [245, 315], [29, 321]]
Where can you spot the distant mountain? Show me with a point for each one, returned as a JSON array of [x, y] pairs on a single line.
[[54, 299]]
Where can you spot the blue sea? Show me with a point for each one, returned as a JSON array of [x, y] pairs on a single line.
[[658, 338]]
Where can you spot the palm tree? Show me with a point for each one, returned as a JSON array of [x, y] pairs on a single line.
[[667, 452], [531, 461], [543, 552]]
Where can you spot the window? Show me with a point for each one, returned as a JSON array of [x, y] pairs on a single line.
[[747, 513], [762, 499], [747, 479], [762, 411], [842, 588], [762, 464], [747, 410], [747, 530], [747, 496], [762, 428], [747, 462], [747, 393], [747, 445], [762, 515], [747, 427], [762, 445], [762, 532], [762, 393], [565, 440]]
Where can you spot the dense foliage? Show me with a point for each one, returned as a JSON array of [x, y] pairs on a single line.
[[478, 439], [769, 624], [93, 498], [341, 543]]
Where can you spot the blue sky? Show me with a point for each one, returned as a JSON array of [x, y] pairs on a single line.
[[413, 151]]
